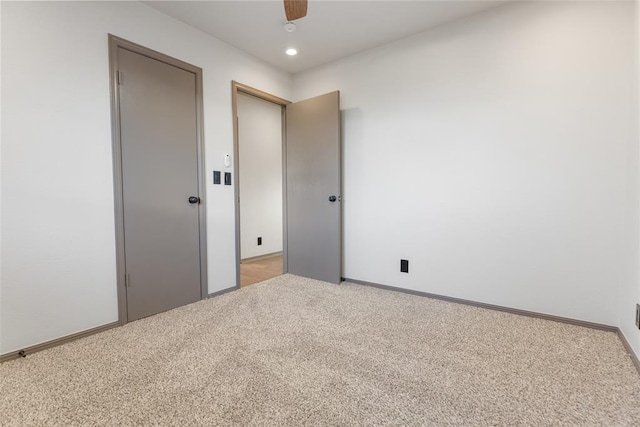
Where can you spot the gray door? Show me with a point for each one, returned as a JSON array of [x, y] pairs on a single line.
[[313, 165], [158, 125]]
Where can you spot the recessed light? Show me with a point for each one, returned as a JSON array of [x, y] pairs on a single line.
[[291, 51]]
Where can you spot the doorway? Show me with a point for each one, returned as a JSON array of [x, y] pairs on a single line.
[[260, 185], [159, 191], [311, 185]]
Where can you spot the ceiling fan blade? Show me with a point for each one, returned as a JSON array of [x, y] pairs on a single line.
[[295, 9]]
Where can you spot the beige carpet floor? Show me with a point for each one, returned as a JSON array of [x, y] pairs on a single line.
[[292, 351]]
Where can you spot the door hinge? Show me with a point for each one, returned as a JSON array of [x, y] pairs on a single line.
[[127, 280], [119, 77]]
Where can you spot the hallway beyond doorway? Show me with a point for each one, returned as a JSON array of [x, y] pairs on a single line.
[[252, 272]]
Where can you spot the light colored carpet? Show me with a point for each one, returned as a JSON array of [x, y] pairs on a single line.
[[292, 351]]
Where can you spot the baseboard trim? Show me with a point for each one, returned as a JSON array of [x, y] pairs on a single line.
[[224, 291], [517, 311], [56, 342], [634, 358], [627, 346], [63, 340], [599, 326], [260, 257]]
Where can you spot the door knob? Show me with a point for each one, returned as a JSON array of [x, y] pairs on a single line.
[[332, 199], [194, 199]]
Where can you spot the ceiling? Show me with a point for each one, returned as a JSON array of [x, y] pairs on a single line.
[[331, 29]]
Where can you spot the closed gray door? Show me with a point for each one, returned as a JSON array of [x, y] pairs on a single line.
[[313, 164], [158, 125]]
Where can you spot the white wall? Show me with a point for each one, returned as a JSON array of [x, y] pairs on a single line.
[[630, 294], [58, 248], [499, 154], [0, 177], [260, 176], [492, 153]]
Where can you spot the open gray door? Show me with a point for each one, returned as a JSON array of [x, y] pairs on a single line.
[[313, 211]]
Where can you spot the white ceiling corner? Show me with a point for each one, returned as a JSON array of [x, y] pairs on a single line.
[[330, 31]]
